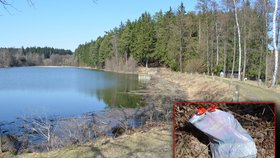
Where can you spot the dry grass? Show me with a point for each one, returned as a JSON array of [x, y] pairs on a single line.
[[156, 142], [207, 88], [199, 88]]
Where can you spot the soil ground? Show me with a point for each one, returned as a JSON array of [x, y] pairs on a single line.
[[164, 88]]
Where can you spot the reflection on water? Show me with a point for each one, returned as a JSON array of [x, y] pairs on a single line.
[[62, 91]]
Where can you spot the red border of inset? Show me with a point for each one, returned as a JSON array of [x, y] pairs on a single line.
[[180, 103]]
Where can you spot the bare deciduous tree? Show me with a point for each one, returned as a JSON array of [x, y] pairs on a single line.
[[56, 59], [120, 64], [234, 50], [274, 78], [244, 39], [239, 40]]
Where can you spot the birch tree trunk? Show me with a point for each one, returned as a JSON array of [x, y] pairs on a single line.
[[245, 55], [239, 40], [266, 41], [274, 78], [234, 51], [245, 43]]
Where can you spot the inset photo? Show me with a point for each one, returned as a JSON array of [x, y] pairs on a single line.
[[219, 130]]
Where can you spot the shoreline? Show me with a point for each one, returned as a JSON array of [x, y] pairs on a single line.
[[81, 67]]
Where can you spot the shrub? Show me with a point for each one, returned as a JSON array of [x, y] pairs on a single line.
[[195, 65], [120, 64]]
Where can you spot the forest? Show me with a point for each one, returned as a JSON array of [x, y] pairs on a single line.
[[227, 36], [35, 56]]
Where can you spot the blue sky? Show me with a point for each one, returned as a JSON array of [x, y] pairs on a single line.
[[68, 23]]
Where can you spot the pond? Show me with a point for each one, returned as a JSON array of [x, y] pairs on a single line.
[[27, 91]]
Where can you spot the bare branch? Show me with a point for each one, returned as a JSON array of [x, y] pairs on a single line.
[[6, 5], [30, 3], [94, 1]]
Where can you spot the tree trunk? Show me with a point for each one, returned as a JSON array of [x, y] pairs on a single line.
[[181, 49], [199, 32], [277, 41], [126, 58], [181, 67], [225, 58], [266, 68], [207, 47], [234, 51], [199, 37], [239, 40], [274, 78], [212, 53], [245, 43], [147, 62], [266, 42], [115, 49], [245, 56], [278, 30], [260, 62], [207, 54], [217, 45]]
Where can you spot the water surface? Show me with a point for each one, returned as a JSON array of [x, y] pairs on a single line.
[[27, 91]]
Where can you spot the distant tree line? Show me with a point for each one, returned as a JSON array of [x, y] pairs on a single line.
[[232, 36], [34, 56]]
